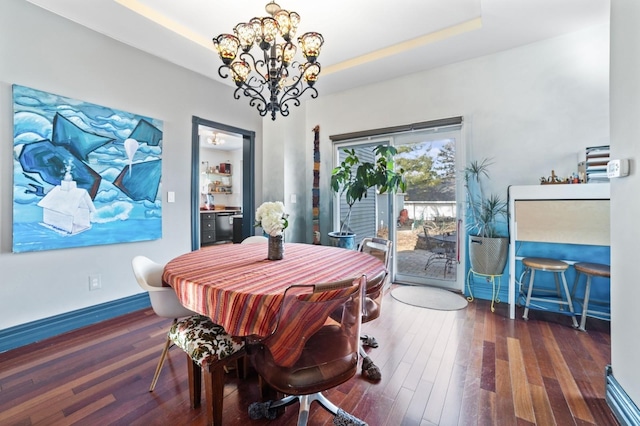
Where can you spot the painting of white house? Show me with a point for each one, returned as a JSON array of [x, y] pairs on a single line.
[[84, 174]]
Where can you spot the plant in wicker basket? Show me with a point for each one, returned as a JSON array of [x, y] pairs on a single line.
[[487, 245]]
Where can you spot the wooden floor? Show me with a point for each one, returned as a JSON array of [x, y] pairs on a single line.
[[466, 367]]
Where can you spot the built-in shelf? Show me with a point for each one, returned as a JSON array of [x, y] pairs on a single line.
[[221, 190], [563, 213], [220, 183]]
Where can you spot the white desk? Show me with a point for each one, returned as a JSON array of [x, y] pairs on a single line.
[[570, 214]]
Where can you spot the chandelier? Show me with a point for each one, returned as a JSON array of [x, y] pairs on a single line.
[[274, 79], [215, 140]]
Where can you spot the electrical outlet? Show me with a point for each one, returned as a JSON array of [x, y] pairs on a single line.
[[94, 282]]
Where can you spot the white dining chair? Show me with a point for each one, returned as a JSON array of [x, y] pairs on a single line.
[[255, 239], [164, 301]]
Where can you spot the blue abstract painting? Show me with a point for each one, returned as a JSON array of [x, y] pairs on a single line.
[[84, 174]]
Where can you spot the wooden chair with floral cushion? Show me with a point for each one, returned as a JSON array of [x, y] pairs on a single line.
[[207, 345], [209, 350]]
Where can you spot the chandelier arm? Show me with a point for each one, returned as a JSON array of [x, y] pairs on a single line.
[[256, 99], [224, 68], [258, 64], [291, 97], [284, 102], [254, 84], [295, 90], [248, 87]]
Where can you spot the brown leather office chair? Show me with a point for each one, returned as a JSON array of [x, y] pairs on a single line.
[[372, 303], [314, 347]]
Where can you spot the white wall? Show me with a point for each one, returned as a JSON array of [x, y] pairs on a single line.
[[531, 109], [625, 203], [286, 172], [45, 52]]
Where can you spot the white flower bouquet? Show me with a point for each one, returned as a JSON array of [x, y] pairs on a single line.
[[272, 218]]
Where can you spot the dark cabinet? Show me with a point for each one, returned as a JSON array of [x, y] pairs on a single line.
[[216, 227], [207, 228]]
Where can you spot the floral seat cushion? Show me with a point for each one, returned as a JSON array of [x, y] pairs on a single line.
[[204, 341]]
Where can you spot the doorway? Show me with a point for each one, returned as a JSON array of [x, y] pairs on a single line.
[[424, 223], [222, 176], [428, 235]]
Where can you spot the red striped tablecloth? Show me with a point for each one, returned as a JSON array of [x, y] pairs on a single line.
[[237, 287]]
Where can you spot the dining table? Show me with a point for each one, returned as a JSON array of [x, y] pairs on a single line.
[[240, 289]]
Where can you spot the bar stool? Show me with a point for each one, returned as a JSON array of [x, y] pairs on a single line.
[[557, 267], [590, 270]]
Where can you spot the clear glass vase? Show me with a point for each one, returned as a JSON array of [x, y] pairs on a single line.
[[276, 247]]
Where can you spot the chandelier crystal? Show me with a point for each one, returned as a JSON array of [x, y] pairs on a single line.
[[275, 79]]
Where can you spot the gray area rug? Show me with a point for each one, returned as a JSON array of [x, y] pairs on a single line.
[[429, 297]]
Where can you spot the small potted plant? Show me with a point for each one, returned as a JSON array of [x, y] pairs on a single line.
[[488, 246], [353, 178]]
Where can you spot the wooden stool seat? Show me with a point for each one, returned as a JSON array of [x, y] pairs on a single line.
[[595, 269], [590, 270], [557, 267], [545, 264]]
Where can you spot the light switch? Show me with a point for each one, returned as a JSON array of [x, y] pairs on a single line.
[[171, 197], [293, 198]]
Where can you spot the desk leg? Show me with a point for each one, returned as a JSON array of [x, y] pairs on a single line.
[[470, 297]]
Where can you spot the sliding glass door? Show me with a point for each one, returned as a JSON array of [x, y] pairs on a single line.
[[423, 223], [428, 235]]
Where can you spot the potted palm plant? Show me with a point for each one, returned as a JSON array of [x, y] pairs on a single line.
[[488, 245], [353, 178]]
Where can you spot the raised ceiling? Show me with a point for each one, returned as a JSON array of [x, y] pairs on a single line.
[[365, 41]]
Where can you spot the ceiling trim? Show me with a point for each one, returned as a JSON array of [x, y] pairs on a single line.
[[436, 36], [454, 30], [162, 20]]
